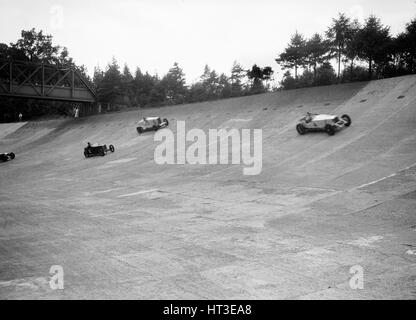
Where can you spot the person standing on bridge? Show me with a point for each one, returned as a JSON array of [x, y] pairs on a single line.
[[20, 117]]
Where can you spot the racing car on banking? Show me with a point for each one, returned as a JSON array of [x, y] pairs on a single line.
[[92, 150], [7, 156], [151, 124], [322, 122]]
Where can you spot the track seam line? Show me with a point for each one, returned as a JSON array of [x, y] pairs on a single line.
[[137, 193], [384, 178]]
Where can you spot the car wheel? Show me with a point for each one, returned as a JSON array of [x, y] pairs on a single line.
[[86, 155], [347, 119], [300, 129], [112, 148], [330, 130], [12, 155], [139, 130], [166, 121], [155, 128]]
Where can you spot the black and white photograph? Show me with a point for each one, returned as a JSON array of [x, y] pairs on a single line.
[[195, 150]]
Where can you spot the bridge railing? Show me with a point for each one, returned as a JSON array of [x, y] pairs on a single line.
[[44, 81]]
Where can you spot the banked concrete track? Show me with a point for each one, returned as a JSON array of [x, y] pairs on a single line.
[[122, 226]]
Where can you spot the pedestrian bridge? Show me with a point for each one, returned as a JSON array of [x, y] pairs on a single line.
[[22, 79]]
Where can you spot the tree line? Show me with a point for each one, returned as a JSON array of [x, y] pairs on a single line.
[[116, 87], [143, 89], [359, 51]]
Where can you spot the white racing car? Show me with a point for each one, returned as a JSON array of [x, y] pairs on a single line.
[[322, 122], [151, 124]]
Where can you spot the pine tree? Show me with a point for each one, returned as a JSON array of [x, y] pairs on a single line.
[[372, 42], [127, 84], [110, 89], [405, 46], [237, 74], [352, 46], [173, 84], [258, 75], [316, 51], [294, 55], [338, 34]]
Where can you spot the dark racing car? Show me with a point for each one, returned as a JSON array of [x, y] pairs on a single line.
[[7, 156], [97, 150]]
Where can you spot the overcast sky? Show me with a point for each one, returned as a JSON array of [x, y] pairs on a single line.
[[153, 34]]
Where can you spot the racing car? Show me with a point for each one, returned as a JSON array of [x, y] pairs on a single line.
[[322, 122], [7, 156], [151, 124], [97, 150]]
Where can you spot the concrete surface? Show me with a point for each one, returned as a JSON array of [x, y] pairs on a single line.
[[9, 128], [122, 226]]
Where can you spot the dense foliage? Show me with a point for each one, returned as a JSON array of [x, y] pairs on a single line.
[[348, 51], [359, 52], [36, 47], [144, 89]]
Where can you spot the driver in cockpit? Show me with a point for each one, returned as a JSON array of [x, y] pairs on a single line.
[[308, 117]]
